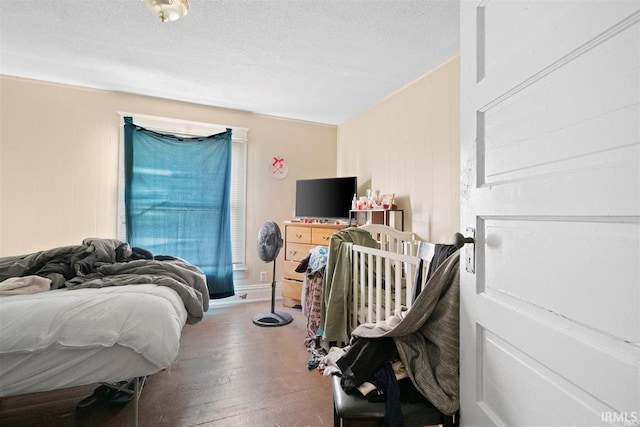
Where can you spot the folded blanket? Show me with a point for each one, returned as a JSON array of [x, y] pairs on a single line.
[[24, 285]]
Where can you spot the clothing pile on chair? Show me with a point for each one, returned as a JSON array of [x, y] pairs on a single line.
[[424, 339]]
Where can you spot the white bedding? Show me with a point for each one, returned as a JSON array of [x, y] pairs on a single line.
[[63, 337]]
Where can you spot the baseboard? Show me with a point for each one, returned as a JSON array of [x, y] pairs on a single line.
[[248, 293]]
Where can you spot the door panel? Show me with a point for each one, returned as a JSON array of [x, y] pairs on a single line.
[[527, 259], [503, 368], [566, 118], [515, 40], [550, 155]]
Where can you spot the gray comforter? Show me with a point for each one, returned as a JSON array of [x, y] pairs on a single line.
[[104, 262], [427, 337]]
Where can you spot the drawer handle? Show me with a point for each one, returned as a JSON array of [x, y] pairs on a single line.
[[325, 237], [299, 236], [293, 252]]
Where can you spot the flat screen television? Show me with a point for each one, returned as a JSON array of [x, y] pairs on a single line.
[[325, 197]]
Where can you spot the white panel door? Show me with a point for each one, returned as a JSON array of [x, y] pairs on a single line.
[[550, 158]]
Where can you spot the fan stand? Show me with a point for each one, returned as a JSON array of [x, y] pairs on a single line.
[[273, 318]]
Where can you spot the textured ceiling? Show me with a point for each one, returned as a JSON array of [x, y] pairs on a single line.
[[316, 60]]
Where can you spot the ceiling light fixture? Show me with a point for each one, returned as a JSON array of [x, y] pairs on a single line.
[[167, 10]]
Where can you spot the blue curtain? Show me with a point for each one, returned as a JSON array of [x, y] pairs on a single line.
[[177, 197]]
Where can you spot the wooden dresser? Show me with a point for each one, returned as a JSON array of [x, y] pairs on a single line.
[[299, 239]]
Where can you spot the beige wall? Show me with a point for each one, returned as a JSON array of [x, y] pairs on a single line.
[[408, 144], [59, 158], [59, 162]]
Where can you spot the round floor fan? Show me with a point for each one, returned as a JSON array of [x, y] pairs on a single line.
[[269, 244]]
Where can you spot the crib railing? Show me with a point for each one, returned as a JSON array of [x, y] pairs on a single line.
[[383, 277], [382, 282], [392, 240]]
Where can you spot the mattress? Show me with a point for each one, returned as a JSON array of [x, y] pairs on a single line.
[[63, 338]]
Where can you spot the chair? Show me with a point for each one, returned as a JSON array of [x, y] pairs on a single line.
[[353, 406]]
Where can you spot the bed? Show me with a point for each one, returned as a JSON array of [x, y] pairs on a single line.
[[98, 312]]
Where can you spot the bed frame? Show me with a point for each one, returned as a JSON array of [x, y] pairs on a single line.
[[135, 369], [383, 278]]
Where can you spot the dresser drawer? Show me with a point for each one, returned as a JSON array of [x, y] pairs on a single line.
[[321, 236], [290, 270], [299, 240], [297, 251], [298, 234], [291, 289]]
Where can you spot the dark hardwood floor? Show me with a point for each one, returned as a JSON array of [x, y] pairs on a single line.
[[229, 372]]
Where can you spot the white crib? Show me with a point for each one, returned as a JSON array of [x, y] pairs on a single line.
[[383, 277]]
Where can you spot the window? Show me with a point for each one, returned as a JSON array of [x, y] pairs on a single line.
[[238, 172]]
